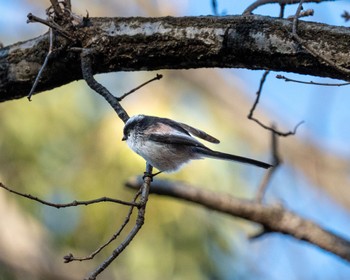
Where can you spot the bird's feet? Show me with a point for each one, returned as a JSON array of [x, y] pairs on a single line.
[[147, 174]]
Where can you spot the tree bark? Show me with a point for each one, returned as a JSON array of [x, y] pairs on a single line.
[[134, 44]]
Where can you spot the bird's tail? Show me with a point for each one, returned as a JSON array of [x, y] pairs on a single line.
[[218, 155]]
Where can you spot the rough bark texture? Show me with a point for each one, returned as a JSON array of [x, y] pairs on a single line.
[[131, 44]]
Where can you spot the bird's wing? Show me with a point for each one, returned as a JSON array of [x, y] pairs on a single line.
[[175, 139], [167, 127], [199, 133]]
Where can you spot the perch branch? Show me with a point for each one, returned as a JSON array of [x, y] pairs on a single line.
[[145, 188]]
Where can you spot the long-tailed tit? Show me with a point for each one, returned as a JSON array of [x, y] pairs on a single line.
[[167, 145]]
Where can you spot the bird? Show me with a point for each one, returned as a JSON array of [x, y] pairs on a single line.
[[167, 144]]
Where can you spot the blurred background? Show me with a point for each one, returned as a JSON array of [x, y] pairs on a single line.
[[66, 145]]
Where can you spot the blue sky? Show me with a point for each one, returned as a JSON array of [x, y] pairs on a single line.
[[323, 109]]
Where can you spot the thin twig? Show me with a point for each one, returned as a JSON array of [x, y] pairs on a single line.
[[296, 17], [145, 187], [86, 67], [214, 7], [42, 66], [282, 7], [259, 3], [157, 77], [68, 5], [63, 7], [286, 79], [258, 93], [346, 16], [306, 13], [51, 24], [251, 112], [275, 164], [272, 129], [256, 235], [70, 204], [69, 258], [57, 8]]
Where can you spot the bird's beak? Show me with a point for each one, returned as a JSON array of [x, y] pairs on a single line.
[[124, 138]]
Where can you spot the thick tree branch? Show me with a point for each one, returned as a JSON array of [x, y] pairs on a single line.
[[273, 218], [131, 44]]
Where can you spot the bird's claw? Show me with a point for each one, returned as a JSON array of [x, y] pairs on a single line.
[[147, 174]]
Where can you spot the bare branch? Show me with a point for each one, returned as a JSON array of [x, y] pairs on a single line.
[[256, 102], [70, 204], [274, 218], [214, 7], [56, 7], [346, 16], [275, 164], [311, 82], [306, 13], [282, 7], [68, 5], [141, 206], [296, 16], [70, 257], [43, 66], [259, 3], [86, 67], [145, 188], [157, 77], [258, 94], [51, 24]]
